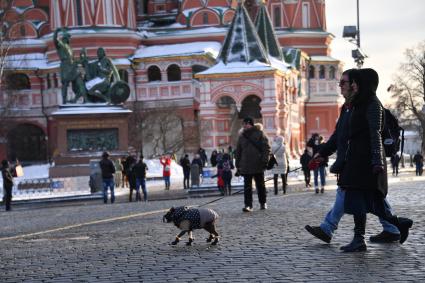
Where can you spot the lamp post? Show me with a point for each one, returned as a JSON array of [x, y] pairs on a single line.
[[353, 33]]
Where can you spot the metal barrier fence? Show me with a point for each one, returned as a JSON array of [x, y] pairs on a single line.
[[49, 188]]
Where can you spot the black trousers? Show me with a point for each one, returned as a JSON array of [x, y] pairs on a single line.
[[307, 177], [275, 182], [259, 185], [186, 176], [7, 198]]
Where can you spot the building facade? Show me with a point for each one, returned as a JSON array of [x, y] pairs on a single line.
[[185, 91]]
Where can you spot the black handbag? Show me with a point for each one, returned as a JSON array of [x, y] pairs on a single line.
[[272, 162]]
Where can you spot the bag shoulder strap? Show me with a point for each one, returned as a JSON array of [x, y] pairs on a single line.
[[253, 143]]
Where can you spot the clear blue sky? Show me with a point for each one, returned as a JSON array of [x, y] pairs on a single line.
[[387, 28]]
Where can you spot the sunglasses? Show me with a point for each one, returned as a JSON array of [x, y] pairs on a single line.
[[342, 82]]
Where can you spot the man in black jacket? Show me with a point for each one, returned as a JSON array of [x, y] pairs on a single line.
[[252, 155], [108, 170], [140, 173], [185, 164], [7, 175]]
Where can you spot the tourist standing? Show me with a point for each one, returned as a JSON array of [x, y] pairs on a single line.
[[185, 164], [419, 163], [166, 170], [252, 154], [140, 173], [395, 160], [7, 174], [281, 168], [118, 173], [108, 170]]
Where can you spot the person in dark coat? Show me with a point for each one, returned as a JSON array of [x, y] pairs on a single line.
[[304, 160], [419, 163], [339, 142], [139, 170], [226, 166], [316, 143], [185, 164], [131, 176], [252, 155], [213, 158], [395, 160], [364, 175], [203, 156], [108, 170], [7, 174]]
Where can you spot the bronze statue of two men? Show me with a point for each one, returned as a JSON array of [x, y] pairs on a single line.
[[100, 82]]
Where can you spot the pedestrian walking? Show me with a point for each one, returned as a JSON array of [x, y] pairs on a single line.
[[316, 143], [281, 168], [395, 160], [304, 160], [252, 154], [108, 170], [166, 170], [419, 163], [140, 169], [118, 173], [7, 173], [185, 164], [339, 142], [125, 165]]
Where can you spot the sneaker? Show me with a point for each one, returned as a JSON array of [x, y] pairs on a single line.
[[317, 232], [322, 190], [263, 206], [247, 209], [317, 190], [385, 237]]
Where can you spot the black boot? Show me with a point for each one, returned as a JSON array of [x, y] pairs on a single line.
[[403, 225], [358, 243], [130, 197], [275, 185]]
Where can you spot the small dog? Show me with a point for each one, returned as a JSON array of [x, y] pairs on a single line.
[[188, 219]]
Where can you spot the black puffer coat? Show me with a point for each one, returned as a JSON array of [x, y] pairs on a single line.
[[365, 148], [250, 158]]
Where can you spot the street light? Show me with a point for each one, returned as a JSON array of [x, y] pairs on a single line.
[[353, 33]]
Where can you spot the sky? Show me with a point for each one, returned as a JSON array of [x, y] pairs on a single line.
[[387, 29]]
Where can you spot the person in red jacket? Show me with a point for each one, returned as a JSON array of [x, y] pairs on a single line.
[[166, 170]]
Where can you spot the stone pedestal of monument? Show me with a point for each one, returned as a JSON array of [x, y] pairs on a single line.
[[82, 132]]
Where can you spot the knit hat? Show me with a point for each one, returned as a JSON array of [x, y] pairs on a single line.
[[249, 120]]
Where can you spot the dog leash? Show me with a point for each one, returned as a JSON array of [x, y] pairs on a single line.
[[237, 192]]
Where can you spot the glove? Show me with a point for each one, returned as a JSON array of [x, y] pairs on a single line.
[[378, 169]]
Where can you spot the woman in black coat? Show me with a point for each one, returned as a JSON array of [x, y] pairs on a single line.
[[364, 175]]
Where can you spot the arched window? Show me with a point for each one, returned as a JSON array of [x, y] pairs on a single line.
[[18, 81], [205, 18], [311, 72], [332, 73], [123, 75], [321, 72], [154, 73], [197, 69], [174, 73]]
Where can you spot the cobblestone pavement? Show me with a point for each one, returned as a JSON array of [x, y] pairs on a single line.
[[127, 242]]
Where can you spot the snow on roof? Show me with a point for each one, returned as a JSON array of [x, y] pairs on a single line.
[[243, 67], [323, 58], [217, 8], [177, 32], [26, 61], [210, 47], [90, 108], [121, 61]]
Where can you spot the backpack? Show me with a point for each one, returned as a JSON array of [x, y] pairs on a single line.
[[392, 135]]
